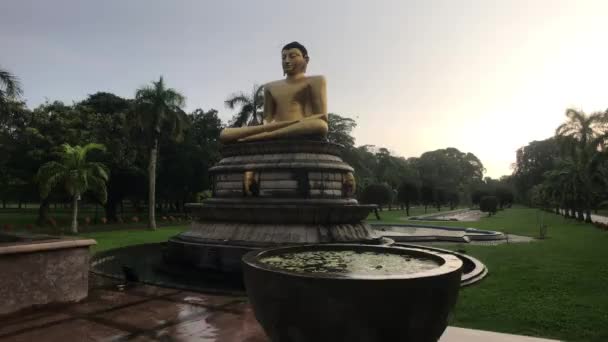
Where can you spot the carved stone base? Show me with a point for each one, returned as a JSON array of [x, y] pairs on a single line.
[[273, 193]]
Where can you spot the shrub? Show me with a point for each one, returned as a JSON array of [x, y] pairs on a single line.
[[488, 204]]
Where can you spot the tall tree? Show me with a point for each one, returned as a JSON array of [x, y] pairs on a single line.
[[583, 138], [106, 121], [441, 174], [340, 130], [409, 189], [158, 110], [532, 162], [184, 169], [76, 174], [10, 89], [250, 112]]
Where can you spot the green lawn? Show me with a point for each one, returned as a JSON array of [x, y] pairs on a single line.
[[555, 288], [23, 220], [127, 237]]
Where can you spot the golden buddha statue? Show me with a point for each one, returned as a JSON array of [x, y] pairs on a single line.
[[293, 107]]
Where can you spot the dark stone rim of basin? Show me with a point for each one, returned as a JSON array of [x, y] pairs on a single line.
[[473, 270], [447, 262]]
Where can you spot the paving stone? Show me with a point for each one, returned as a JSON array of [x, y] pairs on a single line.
[[218, 326], [151, 291], [80, 330], [196, 298], [143, 338], [454, 334], [153, 314], [102, 300], [29, 321]]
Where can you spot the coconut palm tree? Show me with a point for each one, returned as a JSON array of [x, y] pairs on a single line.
[[250, 112], [581, 127], [10, 88], [583, 138], [76, 174], [563, 186], [157, 110]]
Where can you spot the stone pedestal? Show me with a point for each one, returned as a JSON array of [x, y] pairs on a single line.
[[37, 272], [273, 193]]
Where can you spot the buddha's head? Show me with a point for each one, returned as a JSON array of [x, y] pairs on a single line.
[[295, 58]]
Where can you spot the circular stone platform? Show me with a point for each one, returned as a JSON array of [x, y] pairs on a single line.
[[273, 193]]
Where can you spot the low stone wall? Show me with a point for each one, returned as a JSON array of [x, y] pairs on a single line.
[[42, 272]]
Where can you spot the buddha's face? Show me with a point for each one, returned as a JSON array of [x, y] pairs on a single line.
[[293, 61]]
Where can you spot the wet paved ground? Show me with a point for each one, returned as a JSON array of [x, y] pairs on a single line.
[[138, 313], [150, 313]]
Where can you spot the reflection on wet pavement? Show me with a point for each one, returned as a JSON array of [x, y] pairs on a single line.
[[137, 313]]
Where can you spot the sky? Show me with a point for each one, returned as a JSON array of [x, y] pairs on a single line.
[[483, 76]]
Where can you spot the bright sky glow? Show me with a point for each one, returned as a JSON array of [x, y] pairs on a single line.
[[483, 76]]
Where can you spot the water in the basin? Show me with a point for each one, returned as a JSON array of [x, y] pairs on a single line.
[[350, 263]]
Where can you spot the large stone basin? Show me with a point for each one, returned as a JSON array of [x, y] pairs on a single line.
[[302, 306]]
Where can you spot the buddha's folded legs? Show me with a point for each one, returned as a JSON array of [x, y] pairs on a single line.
[[306, 127], [229, 135]]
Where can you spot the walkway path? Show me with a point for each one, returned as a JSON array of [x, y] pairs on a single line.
[[595, 218], [464, 215]]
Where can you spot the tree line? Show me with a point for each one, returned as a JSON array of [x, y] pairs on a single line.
[[149, 145], [440, 178], [567, 172]]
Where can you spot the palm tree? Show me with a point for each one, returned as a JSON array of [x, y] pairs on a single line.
[[562, 186], [247, 115], [10, 87], [76, 174], [158, 109], [582, 138]]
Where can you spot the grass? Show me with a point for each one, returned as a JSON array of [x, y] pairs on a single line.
[[553, 288], [23, 220], [122, 238]]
